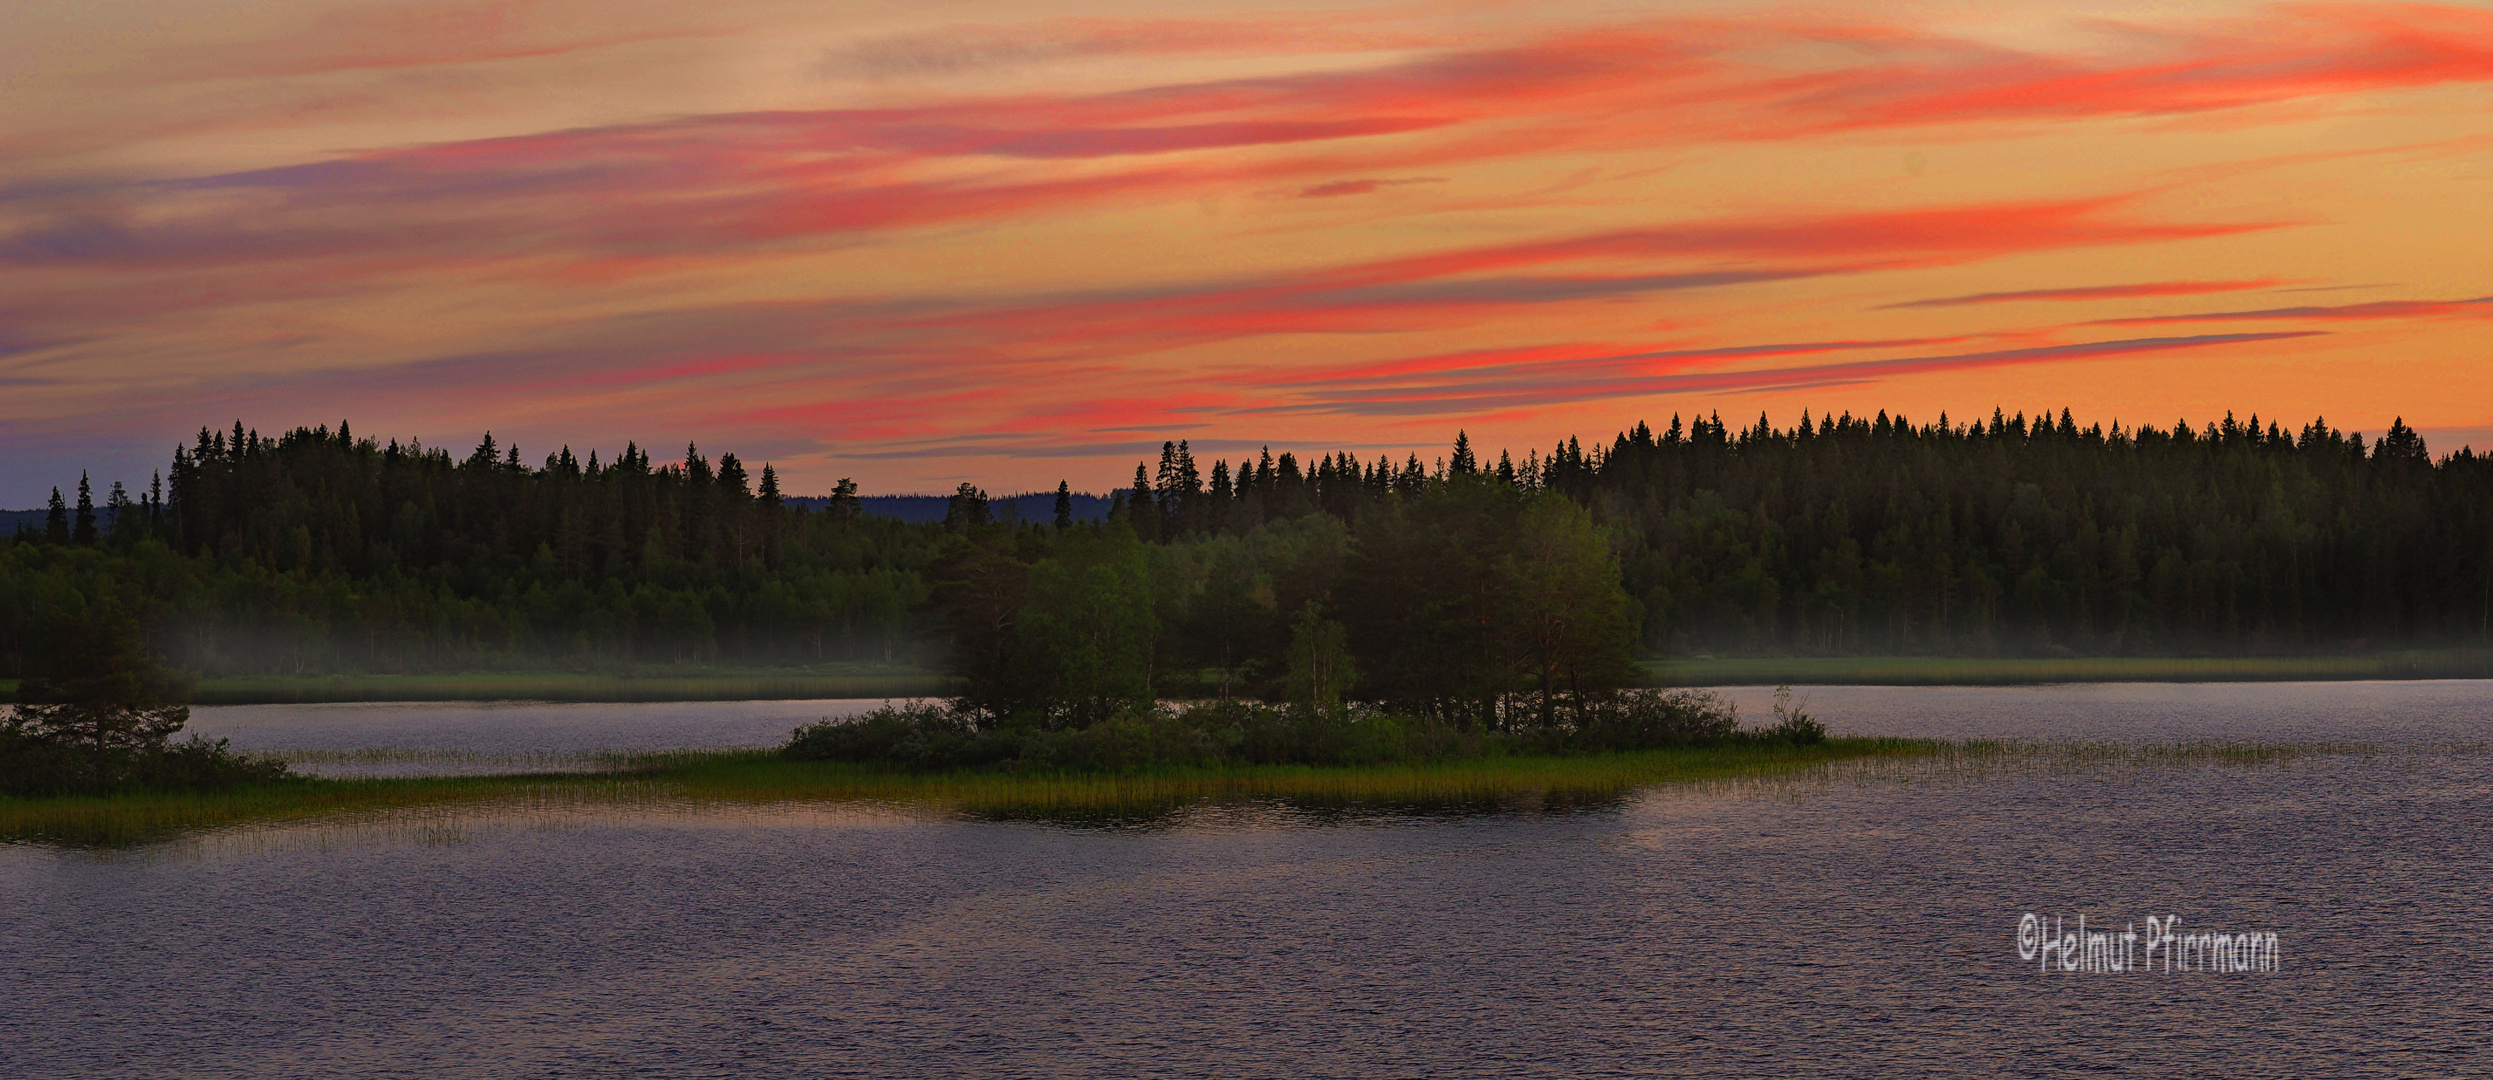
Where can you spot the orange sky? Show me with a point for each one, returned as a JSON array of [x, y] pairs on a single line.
[[1014, 242]]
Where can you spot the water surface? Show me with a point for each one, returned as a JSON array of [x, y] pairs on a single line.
[[1858, 923]]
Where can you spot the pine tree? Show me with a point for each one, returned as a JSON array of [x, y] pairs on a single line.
[[56, 520], [1064, 505], [85, 530], [770, 487], [967, 508], [1464, 463], [118, 520], [1144, 508]]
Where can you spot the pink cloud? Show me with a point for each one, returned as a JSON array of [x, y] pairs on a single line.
[[1332, 189], [1600, 378], [718, 182]]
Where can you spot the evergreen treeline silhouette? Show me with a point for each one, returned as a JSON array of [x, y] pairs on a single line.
[[2013, 536], [316, 551]]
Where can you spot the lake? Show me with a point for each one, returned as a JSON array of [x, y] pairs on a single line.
[[1863, 921]]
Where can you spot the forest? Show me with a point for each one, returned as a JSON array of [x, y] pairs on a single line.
[[1457, 586]]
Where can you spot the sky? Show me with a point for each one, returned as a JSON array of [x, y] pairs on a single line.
[[1012, 243]]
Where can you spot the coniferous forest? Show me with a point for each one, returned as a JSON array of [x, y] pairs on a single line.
[[1454, 581]]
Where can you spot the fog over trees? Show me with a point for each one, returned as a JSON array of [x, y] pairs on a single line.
[[1451, 585]]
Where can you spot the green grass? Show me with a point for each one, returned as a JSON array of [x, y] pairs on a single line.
[[1976, 671], [760, 777]]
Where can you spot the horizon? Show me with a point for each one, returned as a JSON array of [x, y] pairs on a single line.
[[983, 243], [1436, 462]]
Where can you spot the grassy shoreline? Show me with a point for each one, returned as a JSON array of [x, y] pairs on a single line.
[[761, 777], [895, 681]]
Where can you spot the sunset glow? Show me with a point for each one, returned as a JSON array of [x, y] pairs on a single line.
[[928, 243]]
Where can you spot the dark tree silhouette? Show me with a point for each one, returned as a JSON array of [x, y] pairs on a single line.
[[106, 694]]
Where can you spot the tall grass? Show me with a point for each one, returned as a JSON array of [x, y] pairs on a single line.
[[696, 779], [1979, 671], [758, 777]]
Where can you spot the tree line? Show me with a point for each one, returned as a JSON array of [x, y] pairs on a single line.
[[2010, 536], [316, 551], [1504, 591]]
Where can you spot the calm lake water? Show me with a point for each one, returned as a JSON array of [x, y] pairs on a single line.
[[1857, 923]]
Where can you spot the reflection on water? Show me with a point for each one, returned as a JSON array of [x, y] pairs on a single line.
[[1858, 920]]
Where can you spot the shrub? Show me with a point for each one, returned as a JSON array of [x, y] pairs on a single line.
[[32, 767], [1793, 725], [915, 735], [1655, 719]]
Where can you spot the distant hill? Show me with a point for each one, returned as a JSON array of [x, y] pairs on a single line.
[[13, 520], [1037, 506]]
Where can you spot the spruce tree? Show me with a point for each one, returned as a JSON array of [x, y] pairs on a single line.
[[117, 517], [1144, 506], [1064, 505], [56, 520], [85, 530]]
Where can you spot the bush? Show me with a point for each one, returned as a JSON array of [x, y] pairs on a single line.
[[915, 735], [931, 736], [32, 767], [1654, 720], [934, 736], [1793, 725]]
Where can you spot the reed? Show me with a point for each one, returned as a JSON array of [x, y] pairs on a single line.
[[756, 777], [759, 778]]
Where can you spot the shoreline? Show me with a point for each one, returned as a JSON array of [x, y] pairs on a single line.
[[754, 777], [900, 682]]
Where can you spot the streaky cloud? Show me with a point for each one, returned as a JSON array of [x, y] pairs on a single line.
[[2481, 306], [2091, 292]]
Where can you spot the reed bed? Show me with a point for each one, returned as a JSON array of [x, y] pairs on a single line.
[[710, 780], [761, 777]]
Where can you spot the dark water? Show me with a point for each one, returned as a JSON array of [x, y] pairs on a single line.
[[1856, 924]]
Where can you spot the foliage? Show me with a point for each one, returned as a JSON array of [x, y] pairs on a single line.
[[99, 722], [319, 552], [1461, 588], [105, 695], [1321, 667], [932, 736], [1085, 638], [2012, 536], [1793, 725]]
